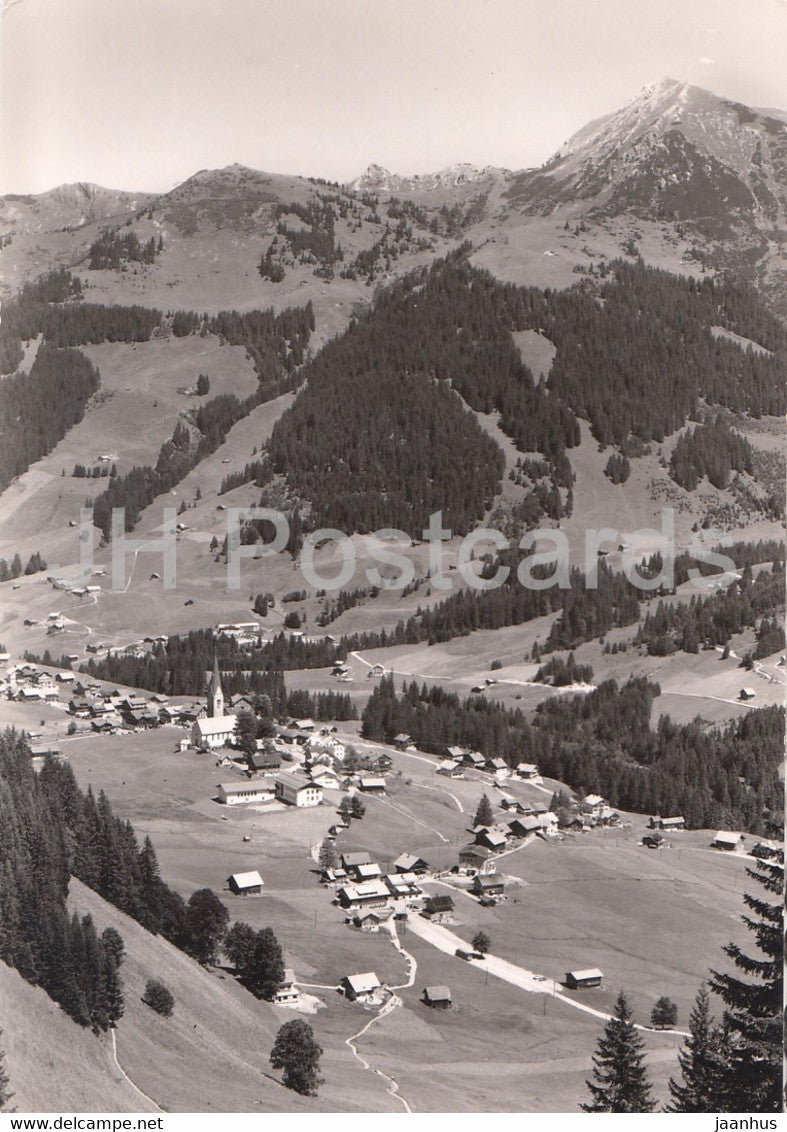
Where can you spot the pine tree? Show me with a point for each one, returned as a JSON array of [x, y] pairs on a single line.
[[664, 1014], [328, 856], [700, 1062], [298, 1054], [5, 1092], [208, 919], [620, 1082], [752, 1080], [484, 815]]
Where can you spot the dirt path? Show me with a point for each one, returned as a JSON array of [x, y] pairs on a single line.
[[387, 1008], [125, 1075]]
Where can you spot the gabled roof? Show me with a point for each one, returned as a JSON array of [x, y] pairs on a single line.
[[488, 880], [438, 994], [588, 973], [247, 880], [368, 872], [369, 782], [727, 837], [361, 984], [222, 724], [439, 903], [593, 800], [352, 860], [406, 861]]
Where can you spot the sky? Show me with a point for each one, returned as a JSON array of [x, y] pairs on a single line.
[[140, 94]]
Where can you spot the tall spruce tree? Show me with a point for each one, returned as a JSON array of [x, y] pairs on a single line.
[[701, 1062], [5, 1080], [620, 1082], [752, 1080], [484, 815]]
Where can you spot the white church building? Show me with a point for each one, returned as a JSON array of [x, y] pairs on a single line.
[[216, 729]]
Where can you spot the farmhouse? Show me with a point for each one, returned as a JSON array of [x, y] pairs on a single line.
[[473, 759], [373, 894], [407, 863], [371, 785], [245, 884], [361, 988], [455, 753], [653, 840], [439, 998], [473, 857], [368, 872], [667, 823], [528, 771], [593, 804], [747, 694], [580, 980], [496, 766], [286, 991], [402, 742], [726, 840], [372, 919], [236, 793], [488, 884], [351, 861], [451, 769], [491, 839], [297, 790], [325, 778], [376, 670], [438, 909]]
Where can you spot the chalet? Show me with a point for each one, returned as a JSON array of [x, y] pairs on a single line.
[[383, 762], [727, 841], [376, 671], [237, 793], [134, 703], [580, 980], [372, 919], [407, 863], [286, 991], [297, 790], [62, 677], [143, 719], [371, 785], [747, 694], [267, 758], [372, 894], [439, 998], [667, 823], [325, 778], [473, 759], [333, 876], [528, 771], [28, 695], [245, 884], [455, 753], [488, 884], [450, 768], [496, 766], [653, 840], [351, 861], [402, 742], [473, 857], [524, 826], [368, 872], [106, 724], [402, 886], [39, 755], [438, 909], [508, 802], [361, 988], [593, 804], [491, 839], [303, 724]]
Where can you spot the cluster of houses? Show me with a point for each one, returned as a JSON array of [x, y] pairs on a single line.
[[371, 897]]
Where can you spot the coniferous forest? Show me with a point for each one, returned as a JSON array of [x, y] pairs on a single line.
[[603, 742]]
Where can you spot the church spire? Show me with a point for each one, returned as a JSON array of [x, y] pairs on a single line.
[[215, 691]]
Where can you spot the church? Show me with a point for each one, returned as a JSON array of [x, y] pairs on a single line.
[[217, 728]]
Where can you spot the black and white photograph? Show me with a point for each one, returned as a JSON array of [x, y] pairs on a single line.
[[392, 561]]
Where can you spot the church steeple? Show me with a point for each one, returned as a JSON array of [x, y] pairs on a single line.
[[215, 692]]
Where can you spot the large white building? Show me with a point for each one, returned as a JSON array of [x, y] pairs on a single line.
[[297, 790]]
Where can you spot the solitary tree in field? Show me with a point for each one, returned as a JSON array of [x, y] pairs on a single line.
[[701, 1062], [620, 1083], [5, 1092], [159, 997], [484, 815], [481, 942], [664, 1014], [753, 1019], [298, 1054], [357, 806]]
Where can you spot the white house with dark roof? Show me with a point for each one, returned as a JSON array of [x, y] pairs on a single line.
[[361, 988]]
